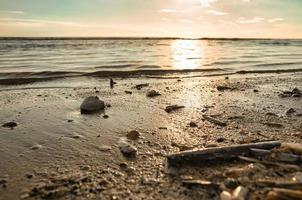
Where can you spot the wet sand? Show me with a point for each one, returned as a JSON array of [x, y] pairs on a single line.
[[64, 154]]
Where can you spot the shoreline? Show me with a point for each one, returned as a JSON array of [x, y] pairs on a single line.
[[53, 142], [15, 78]]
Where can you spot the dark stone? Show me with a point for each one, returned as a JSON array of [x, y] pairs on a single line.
[[92, 104], [10, 125]]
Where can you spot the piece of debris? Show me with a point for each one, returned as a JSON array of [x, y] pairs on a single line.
[[273, 125], [171, 108], [69, 120], [105, 116], [292, 147], [214, 121], [112, 83], [10, 125], [128, 92], [181, 147], [223, 88], [153, 93], [200, 183], [217, 153], [255, 90], [294, 93], [241, 171], [127, 149], [92, 104], [133, 135], [140, 86], [284, 194]]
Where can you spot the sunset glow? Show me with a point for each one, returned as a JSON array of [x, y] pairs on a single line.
[[156, 18]]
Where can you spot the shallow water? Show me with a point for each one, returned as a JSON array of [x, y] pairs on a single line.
[[95, 55]]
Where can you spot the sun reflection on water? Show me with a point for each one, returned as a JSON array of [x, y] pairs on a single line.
[[186, 54]]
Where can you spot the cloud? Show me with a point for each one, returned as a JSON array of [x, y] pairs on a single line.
[[168, 10], [215, 12], [17, 12], [243, 20], [185, 21], [275, 20], [15, 21], [206, 3]]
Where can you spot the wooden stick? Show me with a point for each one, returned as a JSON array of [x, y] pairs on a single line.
[[217, 153], [214, 121]]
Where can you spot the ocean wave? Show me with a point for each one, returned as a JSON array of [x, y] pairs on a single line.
[[276, 64]]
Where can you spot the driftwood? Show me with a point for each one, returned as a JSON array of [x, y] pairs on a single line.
[[273, 184], [277, 156], [284, 194], [214, 121], [270, 163], [217, 153]]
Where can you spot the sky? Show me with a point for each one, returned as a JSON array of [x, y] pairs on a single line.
[[151, 18]]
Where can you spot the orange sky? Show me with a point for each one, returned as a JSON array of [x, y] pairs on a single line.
[[145, 18]]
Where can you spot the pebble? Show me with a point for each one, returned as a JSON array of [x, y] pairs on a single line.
[[35, 147], [240, 193], [77, 136], [153, 93], [104, 148], [92, 104], [133, 135], [128, 92], [10, 125], [192, 124], [220, 140], [290, 111], [85, 168], [105, 116], [127, 149]]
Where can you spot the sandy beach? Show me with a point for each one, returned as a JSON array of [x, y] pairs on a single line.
[[56, 152]]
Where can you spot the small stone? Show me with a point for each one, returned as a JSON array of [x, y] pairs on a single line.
[[193, 125], [70, 120], [133, 135], [290, 111], [128, 92], [10, 125], [220, 140], [255, 90], [92, 104], [171, 108], [105, 116], [127, 149], [77, 136], [231, 183], [104, 148], [35, 147], [225, 196], [153, 93], [223, 88], [240, 193], [29, 176], [85, 168], [226, 78]]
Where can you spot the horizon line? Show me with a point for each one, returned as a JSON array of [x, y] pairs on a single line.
[[138, 38]]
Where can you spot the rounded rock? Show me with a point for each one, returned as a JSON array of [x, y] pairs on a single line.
[[92, 104]]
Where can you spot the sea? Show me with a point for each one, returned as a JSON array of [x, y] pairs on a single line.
[[44, 57]]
